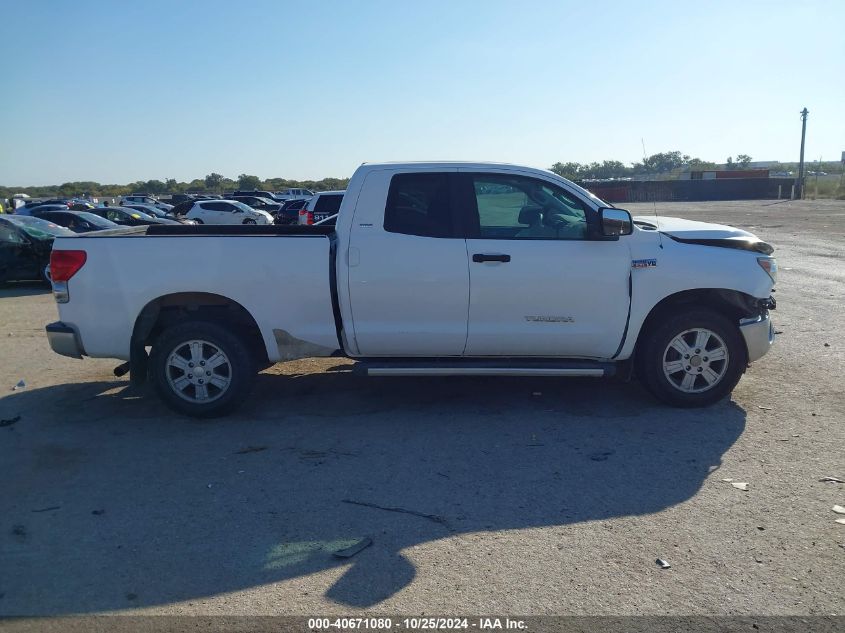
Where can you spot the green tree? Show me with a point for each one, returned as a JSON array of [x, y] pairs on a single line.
[[743, 160], [573, 171], [213, 181], [249, 183]]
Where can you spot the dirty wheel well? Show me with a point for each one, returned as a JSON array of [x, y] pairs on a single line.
[[164, 312]]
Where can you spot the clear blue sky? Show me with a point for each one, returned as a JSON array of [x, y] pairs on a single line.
[[122, 91]]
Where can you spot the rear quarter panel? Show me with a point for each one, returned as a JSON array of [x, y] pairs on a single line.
[[282, 281]]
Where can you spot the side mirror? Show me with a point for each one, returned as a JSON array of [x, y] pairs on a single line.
[[615, 222]]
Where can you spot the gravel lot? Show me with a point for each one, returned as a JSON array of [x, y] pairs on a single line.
[[525, 496]]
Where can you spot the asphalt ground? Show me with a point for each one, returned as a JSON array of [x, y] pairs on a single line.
[[512, 496]]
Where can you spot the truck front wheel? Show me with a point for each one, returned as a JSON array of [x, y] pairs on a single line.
[[201, 369], [692, 358]]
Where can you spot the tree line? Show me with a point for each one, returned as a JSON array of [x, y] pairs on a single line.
[[654, 165], [212, 183]]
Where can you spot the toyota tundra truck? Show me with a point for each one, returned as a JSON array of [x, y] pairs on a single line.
[[432, 269]]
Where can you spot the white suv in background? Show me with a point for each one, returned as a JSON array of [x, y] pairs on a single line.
[[323, 205], [227, 212], [294, 194]]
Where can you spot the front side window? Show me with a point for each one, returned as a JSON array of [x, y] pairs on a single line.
[[523, 208], [419, 204]]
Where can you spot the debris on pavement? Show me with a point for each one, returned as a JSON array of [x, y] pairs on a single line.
[[834, 480], [740, 485], [601, 456], [839, 509], [431, 517], [21, 385], [19, 531], [51, 508], [827, 344], [98, 512], [766, 408], [727, 480], [663, 564], [10, 421], [251, 449], [348, 552]]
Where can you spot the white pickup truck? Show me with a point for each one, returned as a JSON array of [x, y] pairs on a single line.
[[432, 269]]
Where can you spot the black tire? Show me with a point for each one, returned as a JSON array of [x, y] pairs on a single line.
[[198, 221], [654, 350], [240, 373], [248, 221]]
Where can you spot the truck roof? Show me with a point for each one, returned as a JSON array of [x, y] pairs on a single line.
[[452, 164]]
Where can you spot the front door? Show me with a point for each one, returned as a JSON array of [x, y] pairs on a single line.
[[539, 286]]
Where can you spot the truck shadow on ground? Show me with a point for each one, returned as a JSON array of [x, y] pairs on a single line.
[[117, 503]]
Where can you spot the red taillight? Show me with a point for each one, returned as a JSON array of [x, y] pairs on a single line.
[[309, 217], [65, 264]]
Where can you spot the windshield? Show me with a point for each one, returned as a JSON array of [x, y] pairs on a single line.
[[96, 220], [242, 206], [38, 228]]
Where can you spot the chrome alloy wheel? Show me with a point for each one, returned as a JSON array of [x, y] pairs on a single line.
[[198, 371], [695, 360]]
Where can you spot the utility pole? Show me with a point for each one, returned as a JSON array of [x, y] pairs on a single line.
[[800, 192]]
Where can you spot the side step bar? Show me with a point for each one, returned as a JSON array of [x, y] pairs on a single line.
[[484, 367]]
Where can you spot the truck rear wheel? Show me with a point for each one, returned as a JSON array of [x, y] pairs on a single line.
[[201, 369], [692, 359]]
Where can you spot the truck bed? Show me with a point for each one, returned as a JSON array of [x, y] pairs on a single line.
[[241, 230]]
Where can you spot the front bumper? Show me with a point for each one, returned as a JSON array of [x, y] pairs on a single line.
[[759, 334], [64, 340]]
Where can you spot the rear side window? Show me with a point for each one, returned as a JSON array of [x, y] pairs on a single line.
[[328, 204], [419, 204]]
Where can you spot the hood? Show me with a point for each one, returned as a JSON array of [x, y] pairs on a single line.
[[705, 233]]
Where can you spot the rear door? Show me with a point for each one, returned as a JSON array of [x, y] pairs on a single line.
[[408, 277], [539, 285]]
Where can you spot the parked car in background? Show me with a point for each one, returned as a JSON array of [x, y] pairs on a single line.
[[270, 206], [157, 213], [40, 208], [227, 212], [289, 213], [294, 194], [137, 198], [77, 221], [321, 206], [140, 198], [25, 245], [269, 195], [182, 208], [129, 217]]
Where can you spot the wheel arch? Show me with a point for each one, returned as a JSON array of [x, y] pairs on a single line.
[[174, 308], [733, 304]]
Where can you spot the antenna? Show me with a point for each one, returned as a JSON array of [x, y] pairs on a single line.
[[654, 204]]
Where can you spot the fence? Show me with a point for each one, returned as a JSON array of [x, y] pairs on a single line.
[[692, 190]]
